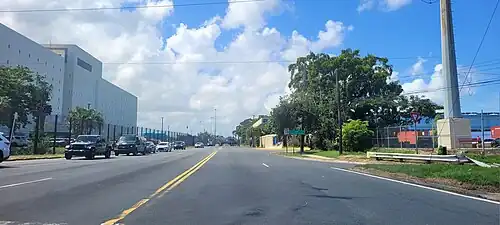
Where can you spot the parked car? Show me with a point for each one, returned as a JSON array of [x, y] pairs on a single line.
[[18, 140], [199, 145], [151, 147], [179, 145], [163, 147], [88, 146], [131, 144], [4, 148]]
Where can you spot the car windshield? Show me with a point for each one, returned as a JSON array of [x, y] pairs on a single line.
[[163, 143], [179, 143], [86, 138], [128, 138]]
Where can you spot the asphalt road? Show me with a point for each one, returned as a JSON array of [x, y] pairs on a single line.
[[219, 185]]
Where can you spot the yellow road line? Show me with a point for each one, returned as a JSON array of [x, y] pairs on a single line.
[[168, 186]]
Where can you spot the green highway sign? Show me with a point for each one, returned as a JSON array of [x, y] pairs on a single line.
[[297, 132]]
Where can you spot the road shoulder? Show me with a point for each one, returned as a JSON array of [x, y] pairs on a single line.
[[441, 183]]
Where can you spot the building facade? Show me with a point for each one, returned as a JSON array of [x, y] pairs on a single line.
[[18, 50], [75, 75]]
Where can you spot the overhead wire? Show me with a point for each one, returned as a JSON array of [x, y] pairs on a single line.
[[128, 7], [474, 58]]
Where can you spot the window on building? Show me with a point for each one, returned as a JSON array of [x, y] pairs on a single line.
[[38, 59], [84, 64], [29, 55], [8, 46], [19, 51]]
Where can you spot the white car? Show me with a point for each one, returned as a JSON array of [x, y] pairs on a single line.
[[163, 147], [199, 145], [4, 147]]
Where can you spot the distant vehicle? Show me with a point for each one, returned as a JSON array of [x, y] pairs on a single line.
[[4, 148], [88, 146], [131, 144], [19, 141], [179, 145], [163, 147], [60, 142], [151, 147], [199, 145]]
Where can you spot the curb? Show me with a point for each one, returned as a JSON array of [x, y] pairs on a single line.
[[25, 159]]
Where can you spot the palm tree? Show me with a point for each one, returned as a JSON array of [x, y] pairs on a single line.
[[85, 120]]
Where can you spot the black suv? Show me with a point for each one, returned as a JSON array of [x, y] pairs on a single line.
[[179, 145], [131, 144], [88, 146]]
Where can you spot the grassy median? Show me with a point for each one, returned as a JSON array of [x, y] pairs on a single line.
[[32, 157], [468, 174]]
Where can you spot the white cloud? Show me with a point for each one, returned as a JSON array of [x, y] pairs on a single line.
[[435, 88], [366, 5], [394, 77], [187, 91], [248, 14], [384, 5], [418, 67]]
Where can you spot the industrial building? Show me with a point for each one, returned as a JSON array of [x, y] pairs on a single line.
[[76, 77]]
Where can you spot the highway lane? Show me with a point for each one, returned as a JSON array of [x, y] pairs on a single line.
[[243, 186], [229, 186], [84, 191]]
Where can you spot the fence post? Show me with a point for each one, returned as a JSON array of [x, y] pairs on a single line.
[[400, 131], [388, 146], [55, 135]]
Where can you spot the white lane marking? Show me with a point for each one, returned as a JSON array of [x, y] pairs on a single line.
[[417, 185], [26, 182], [265, 165]]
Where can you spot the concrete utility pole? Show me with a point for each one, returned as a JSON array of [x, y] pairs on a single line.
[[453, 126], [452, 95]]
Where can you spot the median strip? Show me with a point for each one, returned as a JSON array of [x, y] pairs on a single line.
[[162, 190]]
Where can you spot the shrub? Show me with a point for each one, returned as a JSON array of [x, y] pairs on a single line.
[[356, 136]]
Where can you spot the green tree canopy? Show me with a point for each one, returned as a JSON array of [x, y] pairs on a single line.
[[24, 92], [366, 94]]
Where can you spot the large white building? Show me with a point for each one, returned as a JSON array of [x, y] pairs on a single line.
[[76, 77]]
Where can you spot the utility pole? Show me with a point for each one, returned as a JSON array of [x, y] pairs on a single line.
[[482, 132], [215, 124], [338, 110], [452, 96], [161, 129]]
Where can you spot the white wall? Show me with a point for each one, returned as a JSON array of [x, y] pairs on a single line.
[[76, 77], [16, 49], [118, 106]]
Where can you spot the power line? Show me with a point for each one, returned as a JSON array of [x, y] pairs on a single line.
[[471, 84], [128, 7]]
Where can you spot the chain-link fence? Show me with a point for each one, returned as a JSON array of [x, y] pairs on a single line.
[[485, 135], [57, 131]]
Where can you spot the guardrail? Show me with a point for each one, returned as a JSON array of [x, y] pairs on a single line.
[[418, 157]]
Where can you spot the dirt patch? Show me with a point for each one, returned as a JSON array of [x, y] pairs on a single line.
[[488, 192]]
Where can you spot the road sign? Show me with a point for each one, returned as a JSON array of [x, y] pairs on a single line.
[[415, 116], [286, 131], [297, 132]]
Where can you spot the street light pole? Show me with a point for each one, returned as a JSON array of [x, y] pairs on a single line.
[[215, 123]]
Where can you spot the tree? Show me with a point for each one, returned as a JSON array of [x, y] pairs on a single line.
[[24, 92], [84, 120], [356, 136], [365, 94]]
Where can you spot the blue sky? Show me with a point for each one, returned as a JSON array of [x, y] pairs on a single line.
[[411, 31]]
